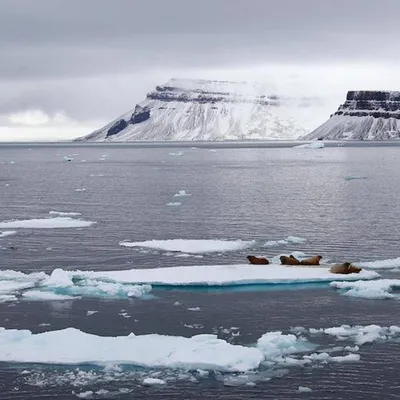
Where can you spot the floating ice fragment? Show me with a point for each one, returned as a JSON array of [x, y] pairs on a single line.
[[67, 158], [153, 381], [179, 153], [288, 240], [7, 233], [312, 145], [46, 223], [379, 289], [390, 263], [42, 295], [85, 395], [174, 204], [192, 246], [90, 312], [182, 193], [304, 389], [64, 214], [80, 190], [194, 308]]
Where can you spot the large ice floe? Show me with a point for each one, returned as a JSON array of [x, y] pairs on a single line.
[[43, 223], [64, 285], [170, 358], [223, 275], [192, 246], [378, 289], [312, 145], [7, 233]]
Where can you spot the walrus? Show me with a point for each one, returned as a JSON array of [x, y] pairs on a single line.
[[291, 260], [345, 268], [257, 260], [311, 261]]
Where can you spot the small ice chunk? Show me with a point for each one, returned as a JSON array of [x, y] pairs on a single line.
[[378, 289], [80, 190], [182, 193], [312, 145], [7, 233], [64, 214], [177, 303], [90, 312], [85, 395], [153, 381], [304, 389], [68, 158], [174, 203], [179, 153], [194, 308], [391, 263], [58, 279]]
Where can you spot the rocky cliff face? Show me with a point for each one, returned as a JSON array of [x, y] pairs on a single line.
[[365, 115], [209, 110]]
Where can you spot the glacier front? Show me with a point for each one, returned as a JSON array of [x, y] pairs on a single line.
[[202, 110]]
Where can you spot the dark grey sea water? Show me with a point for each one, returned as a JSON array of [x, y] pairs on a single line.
[[259, 194]]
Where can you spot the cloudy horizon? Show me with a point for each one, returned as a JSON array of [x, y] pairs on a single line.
[[68, 68]]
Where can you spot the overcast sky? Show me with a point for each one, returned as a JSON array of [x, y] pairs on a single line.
[[68, 67]]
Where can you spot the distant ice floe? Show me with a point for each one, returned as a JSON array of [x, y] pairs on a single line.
[[7, 233], [174, 204], [179, 153], [379, 289], [312, 145], [304, 389], [354, 177], [64, 214], [46, 223], [192, 246], [182, 193], [288, 240], [391, 263], [80, 190]]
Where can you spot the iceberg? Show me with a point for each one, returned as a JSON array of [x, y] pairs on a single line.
[[379, 289], [191, 246], [46, 223]]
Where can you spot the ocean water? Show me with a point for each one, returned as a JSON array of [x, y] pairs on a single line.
[[343, 200]]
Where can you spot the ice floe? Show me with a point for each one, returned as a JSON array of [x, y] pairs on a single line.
[[304, 389], [390, 263], [64, 214], [378, 289], [312, 145], [41, 295], [71, 346], [192, 246], [288, 240], [7, 233], [80, 190], [182, 193], [222, 275], [174, 204], [153, 381], [179, 153], [46, 223]]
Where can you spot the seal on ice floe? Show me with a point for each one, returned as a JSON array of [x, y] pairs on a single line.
[[257, 260], [311, 261], [291, 260], [345, 268]]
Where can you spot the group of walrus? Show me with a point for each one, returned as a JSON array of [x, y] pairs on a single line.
[[345, 268]]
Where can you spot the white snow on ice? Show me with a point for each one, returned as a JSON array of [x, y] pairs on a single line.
[[174, 204], [182, 193], [223, 275], [379, 289], [40, 295], [192, 246], [46, 223], [7, 233], [153, 381], [390, 263]]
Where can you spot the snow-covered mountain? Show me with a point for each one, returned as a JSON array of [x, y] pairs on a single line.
[[210, 110], [366, 115]]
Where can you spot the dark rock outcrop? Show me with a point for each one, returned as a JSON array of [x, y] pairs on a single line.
[[140, 114], [117, 127]]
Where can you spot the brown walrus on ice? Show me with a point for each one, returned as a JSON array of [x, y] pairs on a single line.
[[311, 261], [257, 260], [291, 260], [345, 268]]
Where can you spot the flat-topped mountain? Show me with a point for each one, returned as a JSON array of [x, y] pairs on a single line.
[[184, 109], [365, 115]]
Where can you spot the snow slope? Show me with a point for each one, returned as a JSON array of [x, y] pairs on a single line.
[[366, 115], [185, 110]]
